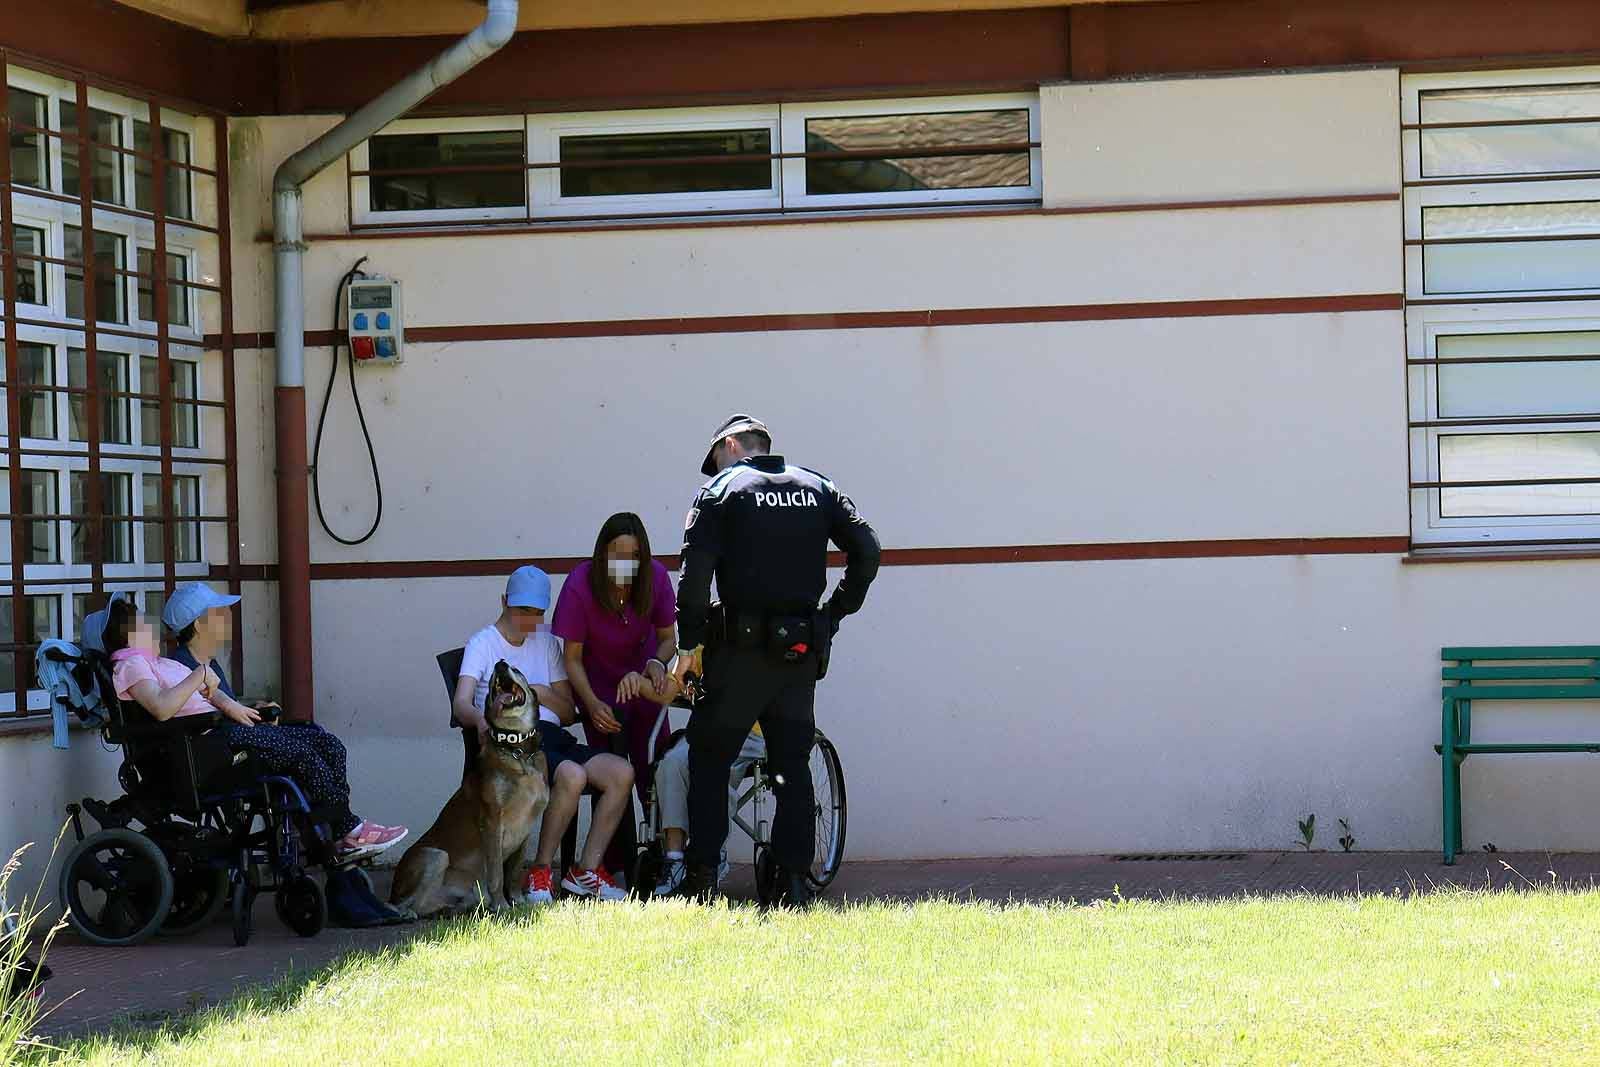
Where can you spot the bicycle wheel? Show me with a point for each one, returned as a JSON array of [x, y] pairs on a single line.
[[827, 784]]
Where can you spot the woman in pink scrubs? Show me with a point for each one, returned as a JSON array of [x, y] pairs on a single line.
[[617, 615]]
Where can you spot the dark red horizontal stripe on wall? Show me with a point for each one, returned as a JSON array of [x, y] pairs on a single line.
[[892, 557], [863, 320]]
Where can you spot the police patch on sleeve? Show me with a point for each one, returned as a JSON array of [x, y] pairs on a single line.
[[694, 513]]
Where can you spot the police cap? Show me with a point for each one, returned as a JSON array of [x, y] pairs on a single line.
[[736, 424]]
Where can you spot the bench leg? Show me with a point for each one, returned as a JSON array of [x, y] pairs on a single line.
[[1458, 762], [1450, 780], [1452, 805]]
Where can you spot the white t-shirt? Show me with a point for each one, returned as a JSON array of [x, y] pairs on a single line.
[[538, 658]]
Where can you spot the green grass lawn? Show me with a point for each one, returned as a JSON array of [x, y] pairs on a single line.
[[1473, 977]]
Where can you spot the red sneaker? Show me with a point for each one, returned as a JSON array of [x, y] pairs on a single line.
[[596, 883], [536, 889]]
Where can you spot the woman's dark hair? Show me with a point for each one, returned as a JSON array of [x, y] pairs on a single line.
[[623, 524], [119, 619], [186, 634]]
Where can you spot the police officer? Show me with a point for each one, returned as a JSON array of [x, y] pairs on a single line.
[[762, 527]]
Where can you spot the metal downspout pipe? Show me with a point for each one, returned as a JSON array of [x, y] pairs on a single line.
[[288, 249]]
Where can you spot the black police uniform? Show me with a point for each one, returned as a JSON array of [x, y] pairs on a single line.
[[763, 527]]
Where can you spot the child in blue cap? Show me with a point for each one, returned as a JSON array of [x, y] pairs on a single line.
[[521, 638]]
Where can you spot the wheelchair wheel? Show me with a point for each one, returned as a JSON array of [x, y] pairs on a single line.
[[646, 873], [116, 887], [301, 905], [766, 877], [827, 784], [244, 906], [197, 896]]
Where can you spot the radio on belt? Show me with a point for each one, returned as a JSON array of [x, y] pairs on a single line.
[[377, 333]]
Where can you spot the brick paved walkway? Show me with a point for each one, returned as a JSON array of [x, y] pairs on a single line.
[[163, 979]]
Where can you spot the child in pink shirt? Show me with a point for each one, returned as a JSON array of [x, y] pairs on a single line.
[[314, 759]]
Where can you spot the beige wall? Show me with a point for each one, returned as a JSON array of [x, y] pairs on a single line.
[[39, 782], [1088, 707], [1234, 138]]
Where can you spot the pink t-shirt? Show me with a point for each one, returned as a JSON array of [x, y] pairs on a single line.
[[129, 671], [613, 645]]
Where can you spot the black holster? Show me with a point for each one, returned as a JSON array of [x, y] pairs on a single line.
[[788, 637]]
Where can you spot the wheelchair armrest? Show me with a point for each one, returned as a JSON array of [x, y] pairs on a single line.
[[177, 726]]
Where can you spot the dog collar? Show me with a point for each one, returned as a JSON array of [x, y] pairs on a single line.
[[523, 746]]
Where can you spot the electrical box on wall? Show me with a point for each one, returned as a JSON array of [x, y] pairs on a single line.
[[377, 332]]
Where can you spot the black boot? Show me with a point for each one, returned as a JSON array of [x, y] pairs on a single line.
[[794, 891], [699, 884]]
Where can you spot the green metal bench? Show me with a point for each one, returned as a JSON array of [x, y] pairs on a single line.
[[1505, 673]]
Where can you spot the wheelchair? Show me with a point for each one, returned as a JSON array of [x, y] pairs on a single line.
[[199, 827], [752, 808]]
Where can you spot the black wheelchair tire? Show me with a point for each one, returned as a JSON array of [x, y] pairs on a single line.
[[767, 887], [823, 870], [244, 904], [645, 874], [197, 897], [149, 906], [301, 905]]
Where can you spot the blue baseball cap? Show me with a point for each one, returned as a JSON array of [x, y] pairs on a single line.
[[92, 632], [190, 601], [528, 587]]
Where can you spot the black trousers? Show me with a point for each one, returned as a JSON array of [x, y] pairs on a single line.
[[746, 686]]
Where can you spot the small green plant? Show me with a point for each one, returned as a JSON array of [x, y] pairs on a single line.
[[18, 1014], [1347, 841], [1308, 831]]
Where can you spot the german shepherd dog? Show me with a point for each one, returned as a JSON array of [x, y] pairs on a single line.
[[492, 821]]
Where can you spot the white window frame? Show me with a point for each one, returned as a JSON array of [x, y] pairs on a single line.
[[1424, 326], [39, 85], [1418, 200], [1413, 86], [1430, 315], [131, 406], [186, 293], [138, 457], [786, 193], [544, 146], [51, 241], [795, 117], [361, 211]]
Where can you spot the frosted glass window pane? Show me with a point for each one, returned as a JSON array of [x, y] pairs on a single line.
[[1560, 343], [1506, 456], [1490, 390], [1512, 266], [1533, 149], [1511, 104], [1512, 220], [1537, 149], [1486, 390]]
